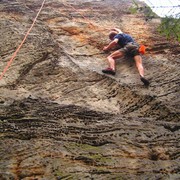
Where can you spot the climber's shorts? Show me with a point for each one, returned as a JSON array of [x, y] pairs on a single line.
[[131, 49]]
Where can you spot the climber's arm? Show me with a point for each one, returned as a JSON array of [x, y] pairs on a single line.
[[111, 45], [117, 30]]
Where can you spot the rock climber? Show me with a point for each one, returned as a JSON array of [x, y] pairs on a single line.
[[127, 46]]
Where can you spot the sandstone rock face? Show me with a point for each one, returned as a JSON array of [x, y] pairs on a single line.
[[61, 118]]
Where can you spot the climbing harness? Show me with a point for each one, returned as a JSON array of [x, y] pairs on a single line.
[[19, 47]]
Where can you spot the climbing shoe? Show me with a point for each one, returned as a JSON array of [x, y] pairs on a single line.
[[109, 71], [145, 81]]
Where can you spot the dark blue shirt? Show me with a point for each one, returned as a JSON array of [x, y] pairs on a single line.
[[124, 39]]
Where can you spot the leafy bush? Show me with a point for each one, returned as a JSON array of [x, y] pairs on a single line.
[[133, 9], [170, 27]]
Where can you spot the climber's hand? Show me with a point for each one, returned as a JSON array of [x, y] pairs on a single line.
[[105, 48]]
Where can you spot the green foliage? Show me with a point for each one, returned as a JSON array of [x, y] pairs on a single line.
[[136, 4], [170, 27], [134, 8], [149, 14]]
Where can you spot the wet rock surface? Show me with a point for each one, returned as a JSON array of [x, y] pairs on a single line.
[[61, 118]]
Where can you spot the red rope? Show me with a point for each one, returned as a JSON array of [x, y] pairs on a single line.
[[19, 47]]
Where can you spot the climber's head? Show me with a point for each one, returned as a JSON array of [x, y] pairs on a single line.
[[112, 34]]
